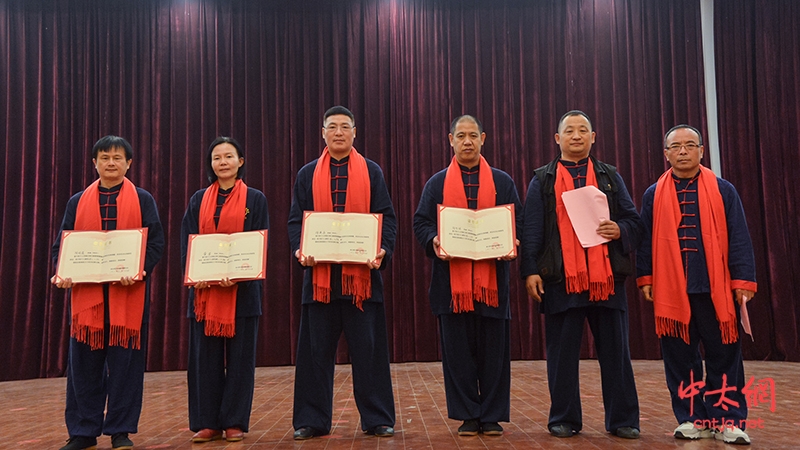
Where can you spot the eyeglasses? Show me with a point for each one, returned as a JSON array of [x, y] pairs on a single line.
[[689, 146], [344, 127]]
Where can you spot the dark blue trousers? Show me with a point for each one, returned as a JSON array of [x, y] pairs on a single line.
[[112, 375], [321, 325], [476, 365], [564, 333], [221, 376], [683, 363]]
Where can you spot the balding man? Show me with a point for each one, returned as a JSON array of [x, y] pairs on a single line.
[[470, 298]]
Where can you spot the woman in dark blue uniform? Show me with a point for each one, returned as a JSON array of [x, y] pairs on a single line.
[[224, 317]]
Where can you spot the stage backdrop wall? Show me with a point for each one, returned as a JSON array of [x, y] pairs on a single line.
[[172, 75]]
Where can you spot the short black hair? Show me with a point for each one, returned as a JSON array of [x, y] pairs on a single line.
[[465, 117], [212, 177], [109, 142], [681, 126], [336, 110], [574, 112]]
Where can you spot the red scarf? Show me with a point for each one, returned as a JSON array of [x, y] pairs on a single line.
[[216, 305], [356, 279], [126, 303], [471, 280], [597, 278], [671, 302]]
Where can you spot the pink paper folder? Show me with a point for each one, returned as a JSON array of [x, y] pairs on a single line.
[[586, 208], [745, 318]]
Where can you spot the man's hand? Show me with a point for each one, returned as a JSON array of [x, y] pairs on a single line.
[[535, 287], [510, 257], [647, 291], [307, 261], [609, 230], [444, 257], [65, 283], [741, 294], [126, 281], [376, 263], [226, 282]]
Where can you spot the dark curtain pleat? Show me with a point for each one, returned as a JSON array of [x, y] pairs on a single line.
[[172, 75], [758, 80]]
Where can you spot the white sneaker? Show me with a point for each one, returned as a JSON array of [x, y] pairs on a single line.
[[732, 435], [687, 430]]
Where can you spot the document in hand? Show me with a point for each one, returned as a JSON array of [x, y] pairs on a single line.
[[477, 233], [745, 318], [586, 208], [236, 256], [101, 256], [334, 237]]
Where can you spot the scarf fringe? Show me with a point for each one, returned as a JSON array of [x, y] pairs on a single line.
[[671, 327], [216, 328], [359, 287], [462, 302], [599, 291], [122, 337], [487, 296], [85, 334], [199, 308], [322, 294], [578, 283], [729, 331]]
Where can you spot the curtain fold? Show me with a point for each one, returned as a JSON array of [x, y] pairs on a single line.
[[171, 75], [758, 79]]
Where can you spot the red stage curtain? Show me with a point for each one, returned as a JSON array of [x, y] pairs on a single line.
[[172, 75]]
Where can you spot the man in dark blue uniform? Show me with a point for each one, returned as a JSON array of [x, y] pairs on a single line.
[[342, 297], [696, 265], [108, 340], [575, 285], [470, 298]]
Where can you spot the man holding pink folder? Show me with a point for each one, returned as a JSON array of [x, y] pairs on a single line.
[[577, 282]]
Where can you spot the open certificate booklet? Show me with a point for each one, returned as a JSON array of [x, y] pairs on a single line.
[[236, 256], [333, 237], [477, 234], [101, 256]]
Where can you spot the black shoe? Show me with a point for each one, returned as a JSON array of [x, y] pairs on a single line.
[[470, 427], [304, 433], [562, 431], [121, 441], [381, 431], [491, 429], [80, 443], [627, 433]]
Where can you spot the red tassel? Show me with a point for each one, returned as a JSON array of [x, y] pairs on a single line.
[[729, 331], [673, 328], [462, 302], [121, 337], [322, 294]]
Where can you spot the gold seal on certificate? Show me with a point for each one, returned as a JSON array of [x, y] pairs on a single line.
[[236, 256], [477, 234], [333, 237], [101, 256]]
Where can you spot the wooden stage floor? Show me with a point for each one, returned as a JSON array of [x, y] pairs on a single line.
[[32, 412]]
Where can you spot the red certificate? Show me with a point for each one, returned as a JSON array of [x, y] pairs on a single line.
[[236, 256], [353, 238], [101, 256], [477, 234]]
